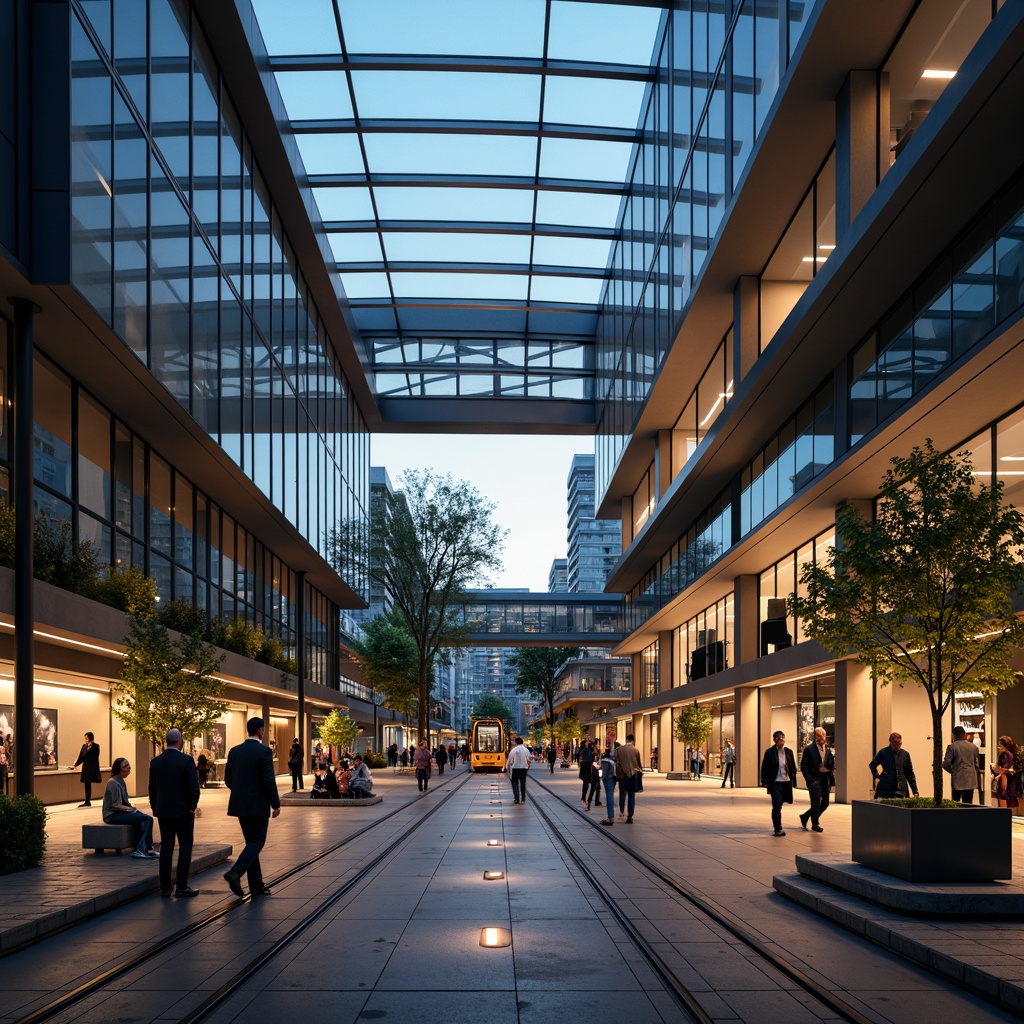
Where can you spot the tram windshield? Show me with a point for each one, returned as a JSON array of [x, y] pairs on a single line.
[[488, 739]]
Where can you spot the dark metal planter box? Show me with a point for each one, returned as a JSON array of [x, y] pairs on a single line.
[[934, 844]]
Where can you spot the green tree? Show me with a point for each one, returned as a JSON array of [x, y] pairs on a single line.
[[536, 671], [167, 683], [922, 593], [490, 705], [339, 730], [694, 725], [570, 730], [432, 540], [390, 662]]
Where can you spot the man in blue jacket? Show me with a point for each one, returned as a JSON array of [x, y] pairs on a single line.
[[249, 774], [174, 796]]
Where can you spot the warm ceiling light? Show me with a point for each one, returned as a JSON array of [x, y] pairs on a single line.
[[1011, 458], [494, 842], [494, 937], [938, 73], [814, 259], [493, 876]]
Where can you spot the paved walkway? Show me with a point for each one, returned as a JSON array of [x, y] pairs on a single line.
[[718, 842]]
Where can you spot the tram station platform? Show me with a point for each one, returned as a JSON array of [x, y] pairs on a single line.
[[719, 842]]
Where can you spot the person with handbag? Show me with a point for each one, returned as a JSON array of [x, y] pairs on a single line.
[[1005, 782], [629, 775]]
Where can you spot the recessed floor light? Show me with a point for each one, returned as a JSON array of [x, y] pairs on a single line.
[[494, 937], [494, 842], [492, 876]]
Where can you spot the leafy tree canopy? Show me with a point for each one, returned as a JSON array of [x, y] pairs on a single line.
[[490, 705], [923, 592], [390, 661], [338, 730], [694, 725], [536, 670], [432, 541], [569, 730], [167, 683]]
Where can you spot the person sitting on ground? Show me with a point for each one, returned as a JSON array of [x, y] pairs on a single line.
[[344, 776], [325, 785], [360, 781], [117, 808]]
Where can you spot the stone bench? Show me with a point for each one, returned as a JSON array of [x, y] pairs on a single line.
[[101, 836], [305, 800]]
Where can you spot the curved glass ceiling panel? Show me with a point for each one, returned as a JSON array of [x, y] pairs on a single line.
[[356, 247], [402, 153], [444, 26], [315, 95], [315, 32], [485, 204], [584, 159], [460, 247], [466, 286], [586, 209], [350, 203], [435, 130], [366, 286], [447, 95], [330, 154], [616, 33], [557, 251], [592, 101], [567, 289]]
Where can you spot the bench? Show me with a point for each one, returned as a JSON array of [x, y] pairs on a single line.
[[304, 800], [100, 837]]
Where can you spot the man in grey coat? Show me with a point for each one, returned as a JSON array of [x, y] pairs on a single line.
[[249, 774], [961, 761]]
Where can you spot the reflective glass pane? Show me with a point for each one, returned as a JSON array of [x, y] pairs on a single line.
[[612, 103], [439, 246], [451, 154], [315, 95], [448, 95], [586, 209], [618, 33], [94, 474], [426, 203], [283, 33]]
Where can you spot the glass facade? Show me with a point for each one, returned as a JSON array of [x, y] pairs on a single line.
[[703, 642], [178, 245], [718, 75]]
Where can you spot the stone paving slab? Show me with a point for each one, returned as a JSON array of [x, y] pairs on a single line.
[[73, 886]]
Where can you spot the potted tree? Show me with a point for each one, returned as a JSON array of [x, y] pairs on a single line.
[[923, 595], [693, 727]]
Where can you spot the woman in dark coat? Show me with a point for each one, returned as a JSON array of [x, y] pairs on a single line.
[[89, 759], [441, 757], [295, 764]]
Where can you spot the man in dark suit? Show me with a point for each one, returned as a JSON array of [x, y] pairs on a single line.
[[174, 796], [249, 774], [897, 778], [778, 773], [817, 765]]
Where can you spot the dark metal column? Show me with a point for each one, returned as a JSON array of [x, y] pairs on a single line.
[[24, 523], [300, 656]]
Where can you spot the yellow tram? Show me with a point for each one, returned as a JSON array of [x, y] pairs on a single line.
[[488, 745]]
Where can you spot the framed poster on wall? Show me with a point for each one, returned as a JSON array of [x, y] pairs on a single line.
[[44, 728]]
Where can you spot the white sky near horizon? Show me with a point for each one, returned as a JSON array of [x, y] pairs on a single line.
[[524, 476]]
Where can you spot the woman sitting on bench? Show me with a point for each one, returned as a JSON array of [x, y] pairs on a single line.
[[117, 810]]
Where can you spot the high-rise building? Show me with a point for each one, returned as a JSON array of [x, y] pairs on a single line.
[[558, 576], [594, 545]]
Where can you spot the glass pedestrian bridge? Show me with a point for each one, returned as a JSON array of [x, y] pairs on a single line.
[[523, 618]]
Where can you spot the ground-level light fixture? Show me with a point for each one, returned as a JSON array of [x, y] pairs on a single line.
[[493, 876], [494, 937], [494, 842]]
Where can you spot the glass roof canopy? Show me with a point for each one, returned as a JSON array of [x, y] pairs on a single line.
[[468, 158]]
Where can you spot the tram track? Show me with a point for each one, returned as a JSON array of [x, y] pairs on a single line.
[[171, 942], [752, 940]]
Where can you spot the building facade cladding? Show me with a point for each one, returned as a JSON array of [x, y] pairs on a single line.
[[177, 247], [921, 340]]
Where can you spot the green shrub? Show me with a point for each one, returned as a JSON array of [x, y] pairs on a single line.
[[375, 760], [920, 801], [128, 590], [272, 651], [240, 637], [56, 560], [23, 827], [183, 617], [6, 535], [290, 666]]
